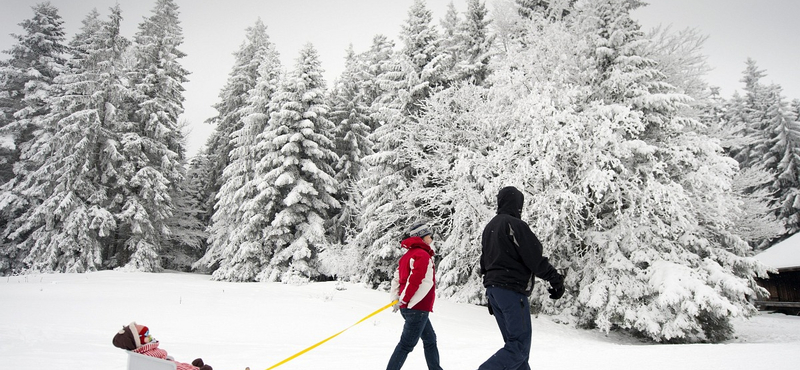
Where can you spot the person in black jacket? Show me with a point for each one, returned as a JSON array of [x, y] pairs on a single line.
[[511, 258]]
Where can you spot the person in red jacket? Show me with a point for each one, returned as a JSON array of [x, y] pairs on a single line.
[[137, 338], [414, 286]]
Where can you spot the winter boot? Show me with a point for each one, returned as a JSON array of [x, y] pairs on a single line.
[[198, 362]]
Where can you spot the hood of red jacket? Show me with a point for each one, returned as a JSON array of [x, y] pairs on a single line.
[[416, 242]]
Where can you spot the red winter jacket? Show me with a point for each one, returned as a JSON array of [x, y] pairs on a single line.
[[151, 349], [415, 281]]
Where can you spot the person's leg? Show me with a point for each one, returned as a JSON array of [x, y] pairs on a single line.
[[412, 330], [430, 347], [513, 315]]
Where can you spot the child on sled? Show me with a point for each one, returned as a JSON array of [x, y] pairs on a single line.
[[137, 338]]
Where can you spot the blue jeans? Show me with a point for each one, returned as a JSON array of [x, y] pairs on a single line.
[[512, 311], [417, 327]]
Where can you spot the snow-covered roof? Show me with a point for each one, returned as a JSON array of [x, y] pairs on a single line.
[[782, 255]]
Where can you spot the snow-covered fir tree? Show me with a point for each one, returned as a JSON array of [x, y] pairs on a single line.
[[237, 228], [782, 156], [450, 40], [475, 44], [154, 148], [351, 116], [233, 100], [298, 181], [765, 138], [25, 78], [425, 67], [75, 191], [377, 77], [25, 84], [657, 206]]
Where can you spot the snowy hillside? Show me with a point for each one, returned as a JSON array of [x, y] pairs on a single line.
[[66, 321]]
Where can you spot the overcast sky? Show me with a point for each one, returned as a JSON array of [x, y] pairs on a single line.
[[765, 30]]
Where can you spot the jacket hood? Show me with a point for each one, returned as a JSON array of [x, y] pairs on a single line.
[[510, 201], [416, 242]]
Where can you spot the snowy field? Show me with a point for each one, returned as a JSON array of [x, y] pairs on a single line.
[[66, 321]]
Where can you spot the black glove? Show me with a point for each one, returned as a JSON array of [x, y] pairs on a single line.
[[491, 311], [557, 287]]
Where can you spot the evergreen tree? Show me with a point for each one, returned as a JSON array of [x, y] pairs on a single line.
[[233, 99], [424, 65], [75, 191], [765, 138], [35, 61], [298, 173], [154, 147], [351, 116], [451, 39], [476, 44], [237, 228], [669, 166], [377, 78], [550, 9], [746, 116], [782, 155]]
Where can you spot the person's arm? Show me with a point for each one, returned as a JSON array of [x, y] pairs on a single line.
[[531, 251]]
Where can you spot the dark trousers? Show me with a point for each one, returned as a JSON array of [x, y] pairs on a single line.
[[417, 327], [512, 311]]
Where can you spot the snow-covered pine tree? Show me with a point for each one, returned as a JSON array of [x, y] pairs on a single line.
[[154, 148], [233, 99], [408, 80], [351, 116], [377, 77], [189, 225], [781, 149], [765, 138], [680, 55], [657, 251], [25, 79], [450, 42], [549, 9], [472, 61], [74, 193], [237, 229], [384, 213], [746, 113], [421, 51], [298, 173], [726, 121], [25, 85]]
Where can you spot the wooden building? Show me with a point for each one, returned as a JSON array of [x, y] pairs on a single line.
[[783, 287]]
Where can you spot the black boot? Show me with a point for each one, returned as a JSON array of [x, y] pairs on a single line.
[[198, 362]]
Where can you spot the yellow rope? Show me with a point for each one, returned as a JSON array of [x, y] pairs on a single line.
[[332, 336]]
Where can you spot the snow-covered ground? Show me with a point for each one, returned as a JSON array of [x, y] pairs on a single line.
[[66, 321]]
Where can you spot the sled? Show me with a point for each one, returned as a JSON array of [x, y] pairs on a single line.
[[138, 361]]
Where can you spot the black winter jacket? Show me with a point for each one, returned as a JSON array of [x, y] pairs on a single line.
[[511, 254]]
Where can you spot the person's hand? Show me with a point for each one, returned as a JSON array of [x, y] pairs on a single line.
[[491, 311], [397, 305], [557, 288]]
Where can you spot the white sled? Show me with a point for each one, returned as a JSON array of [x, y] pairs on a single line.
[[141, 362]]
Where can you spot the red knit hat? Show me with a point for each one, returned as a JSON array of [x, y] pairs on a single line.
[[144, 332]]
